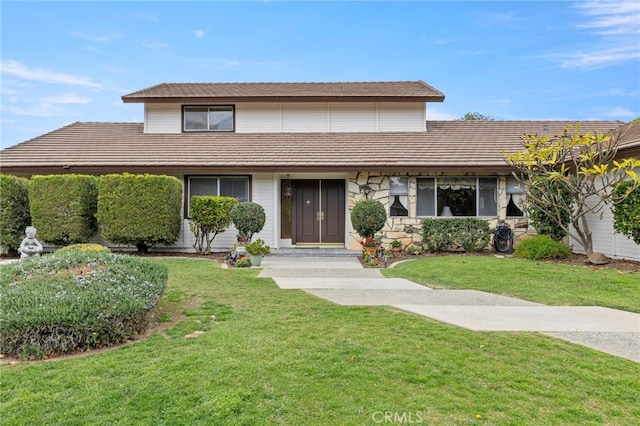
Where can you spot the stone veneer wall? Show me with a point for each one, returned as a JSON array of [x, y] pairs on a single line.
[[407, 229]]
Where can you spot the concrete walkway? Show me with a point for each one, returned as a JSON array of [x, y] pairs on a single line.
[[344, 281]]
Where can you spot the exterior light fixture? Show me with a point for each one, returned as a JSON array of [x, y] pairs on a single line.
[[366, 190]]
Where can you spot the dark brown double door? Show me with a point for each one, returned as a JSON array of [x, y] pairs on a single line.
[[318, 211]]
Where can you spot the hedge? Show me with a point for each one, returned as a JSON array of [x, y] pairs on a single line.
[[470, 234], [15, 214], [140, 210], [63, 207], [210, 215], [626, 214]]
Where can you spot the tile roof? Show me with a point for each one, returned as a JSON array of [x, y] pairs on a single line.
[[203, 92], [447, 146]]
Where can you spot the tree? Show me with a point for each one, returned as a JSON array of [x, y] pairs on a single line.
[[583, 165], [210, 215], [476, 116], [548, 218]]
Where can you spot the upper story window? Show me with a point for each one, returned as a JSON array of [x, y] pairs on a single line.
[[457, 196], [208, 118]]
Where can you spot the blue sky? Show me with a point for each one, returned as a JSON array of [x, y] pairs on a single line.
[[64, 62]]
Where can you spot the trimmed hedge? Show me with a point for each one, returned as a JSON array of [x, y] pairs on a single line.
[[63, 208], [89, 247], [15, 214], [470, 234], [75, 300], [210, 215], [140, 210], [626, 214], [368, 217], [541, 247], [248, 218]]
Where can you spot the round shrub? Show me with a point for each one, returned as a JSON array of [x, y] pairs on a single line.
[[14, 211], [541, 247], [75, 300], [248, 218], [368, 217], [88, 247]]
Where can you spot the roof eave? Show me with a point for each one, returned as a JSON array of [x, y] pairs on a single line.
[[204, 99]]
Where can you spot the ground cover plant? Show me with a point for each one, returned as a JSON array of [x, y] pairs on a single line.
[[75, 299], [544, 282], [234, 349]]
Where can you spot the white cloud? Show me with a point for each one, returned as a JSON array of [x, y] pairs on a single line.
[[600, 58], [98, 38], [155, 46], [67, 99], [19, 70], [611, 18], [39, 110], [199, 33]]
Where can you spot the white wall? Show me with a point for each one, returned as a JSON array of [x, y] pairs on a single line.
[[300, 117]]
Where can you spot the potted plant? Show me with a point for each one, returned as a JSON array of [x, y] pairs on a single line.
[[257, 250], [396, 246], [369, 246]]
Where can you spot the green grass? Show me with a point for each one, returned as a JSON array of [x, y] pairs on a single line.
[[284, 357], [536, 281]]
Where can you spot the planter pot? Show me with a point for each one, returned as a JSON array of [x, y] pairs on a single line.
[[256, 259], [371, 251]]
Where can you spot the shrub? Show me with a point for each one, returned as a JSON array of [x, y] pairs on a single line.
[[75, 300], [248, 218], [14, 211], [243, 262], [470, 234], [258, 248], [63, 208], [557, 196], [541, 247], [626, 214], [368, 217], [210, 215], [141, 210], [93, 248]]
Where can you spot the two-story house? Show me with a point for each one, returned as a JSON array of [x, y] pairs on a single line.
[[306, 152]]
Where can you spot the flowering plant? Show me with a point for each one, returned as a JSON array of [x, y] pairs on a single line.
[[368, 242]]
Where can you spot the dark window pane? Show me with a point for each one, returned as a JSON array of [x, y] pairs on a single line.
[[488, 193], [237, 187], [221, 119], [425, 197], [195, 118]]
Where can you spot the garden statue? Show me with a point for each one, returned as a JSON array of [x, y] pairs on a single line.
[[30, 246]]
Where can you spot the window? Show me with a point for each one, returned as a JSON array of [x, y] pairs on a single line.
[[398, 196], [208, 118], [515, 194], [226, 186], [457, 196]]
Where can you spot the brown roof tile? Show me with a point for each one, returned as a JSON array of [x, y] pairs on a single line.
[[447, 146], [228, 92]]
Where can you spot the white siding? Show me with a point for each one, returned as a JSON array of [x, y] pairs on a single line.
[[352, 117], [258, 118], [400, 117], [162, 118], [305, 117], [262, 192]]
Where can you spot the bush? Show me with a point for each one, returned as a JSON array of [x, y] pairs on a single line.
[[14, 211], [368, 217], [626, 214], [248, 218], [541, 247], [141, 210], [210, 215], [469, 234], [556, 195], [63, 208], [83, 248], [75, 300], [243, 263]]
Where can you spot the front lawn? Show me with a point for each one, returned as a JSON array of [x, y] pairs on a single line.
[[537, 281], [268, 356]]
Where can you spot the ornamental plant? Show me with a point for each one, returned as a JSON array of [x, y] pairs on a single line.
[[368, 217], [258, 248], [210, 215], [369, 242], [626, 213], [248, 218], [14, 211]]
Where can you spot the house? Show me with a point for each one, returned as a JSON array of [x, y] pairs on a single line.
[[307, 152]]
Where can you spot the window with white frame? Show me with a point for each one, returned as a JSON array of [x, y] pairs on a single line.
[[398, 196], [457, 196], [515, 196], [226, 186], [208, 118]]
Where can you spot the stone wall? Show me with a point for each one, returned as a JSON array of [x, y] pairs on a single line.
[[407, 229]]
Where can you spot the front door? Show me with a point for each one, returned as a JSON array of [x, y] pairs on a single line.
[[318, 211]]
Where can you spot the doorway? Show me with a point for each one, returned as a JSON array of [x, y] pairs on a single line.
[[318, 212]]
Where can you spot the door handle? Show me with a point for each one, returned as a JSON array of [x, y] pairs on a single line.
[[320, 216]]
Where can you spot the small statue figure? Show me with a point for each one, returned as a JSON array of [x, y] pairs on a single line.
[[30, 246]]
